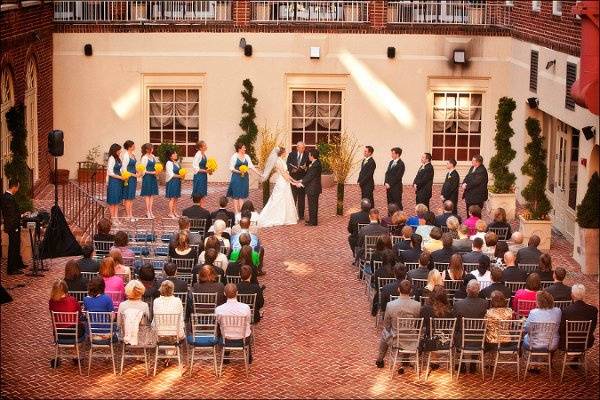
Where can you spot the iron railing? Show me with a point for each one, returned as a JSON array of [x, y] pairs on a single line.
[[453, 12], [310, 11], [91, 177], [140, 12], [81, 208]]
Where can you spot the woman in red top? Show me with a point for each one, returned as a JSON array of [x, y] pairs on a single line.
[[60, 301]]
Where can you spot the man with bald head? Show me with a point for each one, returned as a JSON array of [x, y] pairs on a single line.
[[297, 164], [512, 273], [516, 242]]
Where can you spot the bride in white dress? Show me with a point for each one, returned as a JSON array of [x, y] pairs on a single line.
[[280, 209]]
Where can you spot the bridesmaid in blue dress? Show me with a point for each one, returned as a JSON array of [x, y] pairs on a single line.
[[239, 184], [149, 181], [200, 183], [114, 189], [129, 162], [173, 179]]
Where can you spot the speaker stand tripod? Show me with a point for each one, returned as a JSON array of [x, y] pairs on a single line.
[[37, 262]]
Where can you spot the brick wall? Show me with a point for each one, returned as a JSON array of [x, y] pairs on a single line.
[[27, 32]]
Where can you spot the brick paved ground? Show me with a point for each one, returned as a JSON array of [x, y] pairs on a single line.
[[317, 338]]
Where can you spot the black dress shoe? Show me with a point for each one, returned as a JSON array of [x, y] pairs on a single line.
[[17, 272], [380, 364], [309, 224]]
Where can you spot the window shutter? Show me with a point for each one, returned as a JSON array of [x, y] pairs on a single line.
[[571, 77], [533, 71]]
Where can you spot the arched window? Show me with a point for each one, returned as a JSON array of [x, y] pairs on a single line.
[[7, 95], [31, 122]]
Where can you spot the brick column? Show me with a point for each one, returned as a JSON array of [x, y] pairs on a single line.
[[377, 10], [241, 12]]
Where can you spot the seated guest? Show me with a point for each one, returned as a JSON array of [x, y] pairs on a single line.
[[387, 221], [245, 241], [530, 254], [422, 272], [234, 308], [75, 282], [383, 245], [61, 301], [223, 212], [86, 262], [516, 242], [578, 311], [133, 307], [147, 277], [167, 303], [219, 230], [120, 268], [545, 312], [210, 258], [112, 283], [213, 243], [420, 210], [453, 224], [359, 217], [443, 255], [497, 284], [386, 270], [474, 215], [497, 312], [455, 271], [438, 306], [121, 243], [426, 224], [461, 293], [245, 228], [247, 287], [532, 286], [500, 222], [544, 269], [476, 252], [490, 240], [103, 229], [499, 250], [170, 273], [391, 289], [399, 221], [414, 253], [197, 211], [558, 290], [247, 206], [207, 283], [404, 242], [97, 300], [472, 306], [463, 244], [434, 278], [184, 226], [480, 230], [237, 229], [181, 249], [245, 258], [511, 272], [372, 229], [482, 273], [435, 242], [403, 307], [441, 219]]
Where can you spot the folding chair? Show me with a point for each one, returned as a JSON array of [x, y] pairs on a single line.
[[88, 275], [576, 344], [157, 262], [411, 266], [129, 261], [183, 296], [514, 286], [102, 336], [381, 282], [369, 269], [442, 330], [233, 279], [233, 327], [126, 346], [204, 303], [444, 229], [188, 278], [103, 247], [167, 338], [546, 284], [484, 284], [440, 266], [395, 239], [65, 326], [524, 307], [472, 342], [452, 286], [198, 226], [510, 335], [250, 300], [502, 233], [540, 331], [407, 342], [529, 268], [470, 267], [116, 297], [418, 284], [203, 337], [79, 295], [562, 304], [184, 265]]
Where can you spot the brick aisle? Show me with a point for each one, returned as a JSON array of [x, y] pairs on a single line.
[[317, 338]]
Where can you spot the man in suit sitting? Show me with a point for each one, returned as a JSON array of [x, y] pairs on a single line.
[[223, 213], [312, 186], [440, 220], [391, 289], [444, 254], [463, 244], [424, 267], [578, 311], [404, 307], [365, 176], [530, 254], [12, 226], [360, 217], [559, 290], [373, 229], [451, 185], [511, 272], [297, 164], [246, 287], [87, 263], [413, 254], [497, 284], [475, 254], [170, 272], [475, 191], [471, 306], [405, 242], [423, 181], [197, 211], [393, 178]]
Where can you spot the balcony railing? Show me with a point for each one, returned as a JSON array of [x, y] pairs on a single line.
[[183, 11], [310, 11], [451, 12]]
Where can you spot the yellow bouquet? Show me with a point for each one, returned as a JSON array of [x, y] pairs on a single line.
[[211, 165], [158, 168], [182, 172], [140, 168], [126, 175], [244, 169]]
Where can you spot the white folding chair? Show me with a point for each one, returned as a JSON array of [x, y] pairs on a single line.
[[102, 336], [89, 275], [250, 300], [381, 282], [418, 284], [203, 337], [79, 295], [577, 334], [126, 347], [510, 335], [411, 266], [514, 286], [183, 296], [524, 307], [441, 331], [232, 328], [235, 279], [562, 304], [184, 265], [472, 343], [204, 303], [116, 297], [198, 226], [103, 247], [167, 338], [502, 233], [66, 329], [407, 342], [540, 331], [529, 268], [441, 266], [470, 267]]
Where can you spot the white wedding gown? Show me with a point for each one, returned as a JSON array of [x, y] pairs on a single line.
[[280, 209]]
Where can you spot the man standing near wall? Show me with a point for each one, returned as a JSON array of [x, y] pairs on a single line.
[[423, 182], [12, 226], [393, 178], [365, 177], [475, 185]]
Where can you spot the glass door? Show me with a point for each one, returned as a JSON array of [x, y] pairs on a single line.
[[565, 179]]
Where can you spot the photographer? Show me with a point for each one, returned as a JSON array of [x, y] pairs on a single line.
[[12, 226]]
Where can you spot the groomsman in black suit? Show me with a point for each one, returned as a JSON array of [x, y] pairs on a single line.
[[475, 184], [12, 227], [365, 177], [423, 182], [312, 186], [297, 164], [451, 184], [393, 178]]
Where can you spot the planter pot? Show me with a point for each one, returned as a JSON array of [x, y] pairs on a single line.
[[589, 243], [327, 181], [87, 174], [508, 201], [535, 227]]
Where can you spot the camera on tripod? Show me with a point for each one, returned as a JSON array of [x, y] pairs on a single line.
[[36, 220]]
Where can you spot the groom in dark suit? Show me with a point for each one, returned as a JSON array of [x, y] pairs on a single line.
[[312, 186], [365, 177], [297, 164], [423, 182], [450, 186], [393, 178]]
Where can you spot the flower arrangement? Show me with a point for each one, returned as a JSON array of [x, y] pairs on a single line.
[[268, 140], [342, 159], [126, 175], [211, 165], [140, 168], [182, 172], [244, 170], [158, 168]]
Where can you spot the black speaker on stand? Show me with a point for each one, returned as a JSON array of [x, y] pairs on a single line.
[[56, 147]]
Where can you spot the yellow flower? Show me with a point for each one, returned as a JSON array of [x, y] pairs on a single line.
[[126, 175], [182, 172], [243, 169], [211, 165], [158, 167], [140, 168]]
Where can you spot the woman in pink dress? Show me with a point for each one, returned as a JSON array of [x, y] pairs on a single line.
[[113, 284]]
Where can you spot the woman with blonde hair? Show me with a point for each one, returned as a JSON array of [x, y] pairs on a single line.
[[113, 284], [453, 224], [133, 316], [434, 278], [120, 268], [167, 303]]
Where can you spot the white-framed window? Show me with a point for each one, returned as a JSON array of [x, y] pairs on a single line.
[[556, 7], [536, 5], [7, 94], [174, 116], [456, 125], [316, 115], [31, 121]]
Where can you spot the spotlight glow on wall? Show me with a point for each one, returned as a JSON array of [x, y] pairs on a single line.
[[125, 104]]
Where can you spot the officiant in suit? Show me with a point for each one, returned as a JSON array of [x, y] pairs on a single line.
[[365, 177], [393, 178], [423, 182], [297, 164], [312, 186], [451, 184]]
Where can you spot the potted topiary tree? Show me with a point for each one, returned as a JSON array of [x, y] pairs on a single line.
[[588, 218], [535, 220], [502, 192], [248, 125], [327, 179]]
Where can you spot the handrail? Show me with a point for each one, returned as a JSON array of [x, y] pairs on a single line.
[[81, 208], [269, 11], [451, 12]]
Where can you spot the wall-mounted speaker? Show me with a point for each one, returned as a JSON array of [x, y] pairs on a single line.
[[391, 52], [248, 50], [87, 50], [56, 144]]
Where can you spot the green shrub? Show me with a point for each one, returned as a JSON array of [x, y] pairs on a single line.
[[588, 215], [324, 156], [537, 204], [504, 180], [247, 122], [17, 166], [164, 148]]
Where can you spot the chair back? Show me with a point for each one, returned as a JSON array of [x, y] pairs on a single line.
[[562, 304], [167, 325], [198, 226], [381, 282], [473, 333], [395, 239], [89, 275], [419, 283], [79, 295], [204, 302], [102, 247], [184, 265], [576, 335], [541, 332], [196, 247], [233, 326], [370, 241], [188, 278], [524, 307], [470, 267], [376, 265], [484, 284], [158, 263], [510, 334], [129, 261], [203, 325], [359, 226], [408, 333], [183, 296], [100, 325], [514, 286], [116, 297], [411, 266], [443, 330], [452, 286], [546, 284], [444, 229], [160, 249], [529, 268], [250, 299], [393, 297], [65, 326], [224, 249], [502, 233], [235, 279], [441, 266]]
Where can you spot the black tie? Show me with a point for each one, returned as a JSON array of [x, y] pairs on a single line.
[[299, 158]]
